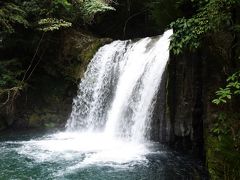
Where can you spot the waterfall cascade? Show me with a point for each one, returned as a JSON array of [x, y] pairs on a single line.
[[106, 135], [118, 92], [111, 114]]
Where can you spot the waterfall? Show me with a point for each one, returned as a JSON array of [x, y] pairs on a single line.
[[111, 115], [118, 91], [107, 134]]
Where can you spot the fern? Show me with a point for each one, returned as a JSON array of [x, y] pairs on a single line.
[[52, 24]]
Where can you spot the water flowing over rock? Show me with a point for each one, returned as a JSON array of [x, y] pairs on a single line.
[[118, 92], [109, 132]]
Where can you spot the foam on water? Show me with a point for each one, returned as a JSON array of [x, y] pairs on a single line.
[[91, 148], [117, 94], [107, 134], [111, 115]]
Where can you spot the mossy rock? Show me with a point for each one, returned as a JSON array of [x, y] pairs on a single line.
[[47, 104], [35, 121], [45, 120], [50, 120], [78, 48], [88, 53], [50, 125], [222, 158]]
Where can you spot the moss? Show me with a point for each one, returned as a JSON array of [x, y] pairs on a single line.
[[77, 70], [223, 160], [88, 53], [34, 121], [50, 125], [223, 145], [45, 119], [47, 103], [51, 120], [78, 49]]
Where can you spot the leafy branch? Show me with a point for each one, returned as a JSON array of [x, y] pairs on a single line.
[[211, 16], [231, 89]]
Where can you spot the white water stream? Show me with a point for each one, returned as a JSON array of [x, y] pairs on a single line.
[[117, 94], [111, 115]]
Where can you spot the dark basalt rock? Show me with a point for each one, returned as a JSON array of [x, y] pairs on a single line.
[[47, 102], [184, 109], [186, 102]]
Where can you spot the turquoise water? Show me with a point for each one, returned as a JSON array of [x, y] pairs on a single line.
[[26, 156]]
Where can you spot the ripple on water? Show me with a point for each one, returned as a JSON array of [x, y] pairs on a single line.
[[91, 157]]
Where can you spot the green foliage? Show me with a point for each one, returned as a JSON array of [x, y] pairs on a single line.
[[90, 8], [211, 16], [10, 83], [222, 126], [188, 34], [49, 15], [20, 21], [43, 15], [64, 3], [223, 145], [224, 148], [206, 20], [231, 89], [161, 12], [11, 15], [223, 159], [10, 71], [51, 24]]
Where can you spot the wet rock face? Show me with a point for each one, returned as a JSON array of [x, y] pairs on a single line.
[[184, 108], [47, 103], [186, 104], [77, 49], [179, 113]]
